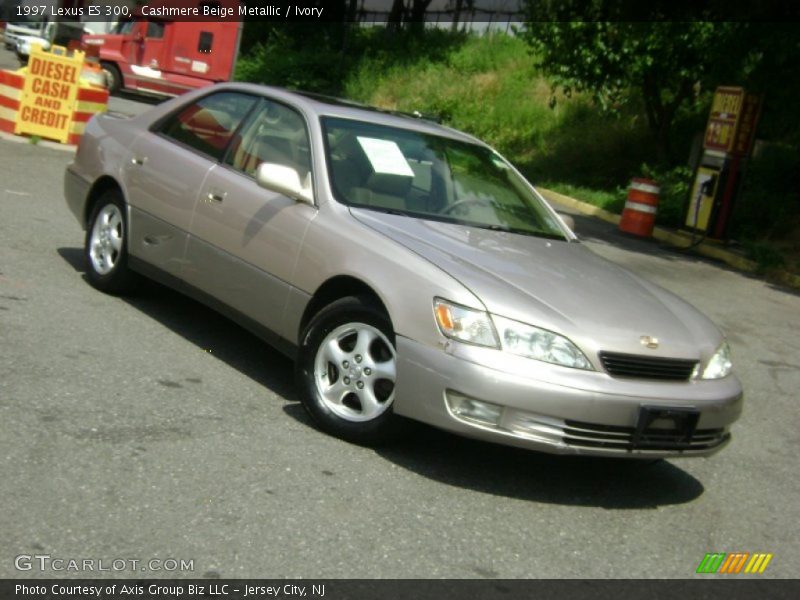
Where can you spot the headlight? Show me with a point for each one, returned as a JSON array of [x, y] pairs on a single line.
[[720, 364], [540, 344], [464, 324]]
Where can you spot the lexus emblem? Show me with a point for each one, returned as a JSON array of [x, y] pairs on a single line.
[[649, 342]]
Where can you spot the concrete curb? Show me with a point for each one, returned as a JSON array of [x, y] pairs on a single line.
[[679, 240]]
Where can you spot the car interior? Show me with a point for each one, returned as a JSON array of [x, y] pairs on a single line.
[[358, 183]]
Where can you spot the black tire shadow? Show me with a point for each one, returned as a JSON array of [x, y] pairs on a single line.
[[73, 257], [532, 476]]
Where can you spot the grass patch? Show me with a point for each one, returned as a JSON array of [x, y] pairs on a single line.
[[485, 85]]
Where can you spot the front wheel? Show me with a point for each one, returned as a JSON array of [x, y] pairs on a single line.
[[106, 251], [113, 77], [347, 372]]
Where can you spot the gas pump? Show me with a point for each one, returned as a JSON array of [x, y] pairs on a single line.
[[727, 145], [701, 203]]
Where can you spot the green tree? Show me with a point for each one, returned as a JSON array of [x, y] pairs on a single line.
[[668, 63], [408, 13]]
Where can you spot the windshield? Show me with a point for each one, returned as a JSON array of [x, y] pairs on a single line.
[[123, 27], [431, 177]]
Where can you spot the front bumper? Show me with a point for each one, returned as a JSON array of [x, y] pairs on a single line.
[[556, 409]]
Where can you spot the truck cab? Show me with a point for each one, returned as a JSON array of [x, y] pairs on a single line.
[[167, 57]]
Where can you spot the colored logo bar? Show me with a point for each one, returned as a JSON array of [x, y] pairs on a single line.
[[734, 563]]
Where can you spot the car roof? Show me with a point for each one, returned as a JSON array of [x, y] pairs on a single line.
[[328, 106]]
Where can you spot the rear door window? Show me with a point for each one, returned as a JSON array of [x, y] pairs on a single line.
[[208, 125]]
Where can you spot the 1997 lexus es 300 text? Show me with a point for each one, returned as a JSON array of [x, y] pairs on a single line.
[[407, 267]]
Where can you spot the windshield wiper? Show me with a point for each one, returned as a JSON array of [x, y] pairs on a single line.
[[388, 211], [506, 229]]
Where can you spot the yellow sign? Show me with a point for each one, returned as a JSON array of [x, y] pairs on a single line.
[[49, 94], [723, 119]]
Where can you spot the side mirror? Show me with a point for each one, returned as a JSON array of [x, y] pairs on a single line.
[[568, 221], [284, 180]]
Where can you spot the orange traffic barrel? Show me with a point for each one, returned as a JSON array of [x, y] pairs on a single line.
[[639, 216]]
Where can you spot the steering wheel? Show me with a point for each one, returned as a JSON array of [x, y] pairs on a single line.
[[465, 201]]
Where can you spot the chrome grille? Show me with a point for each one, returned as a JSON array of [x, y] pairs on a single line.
[[593, 435], [647, 367]]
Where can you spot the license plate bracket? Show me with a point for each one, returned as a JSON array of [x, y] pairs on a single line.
[[650, 432]]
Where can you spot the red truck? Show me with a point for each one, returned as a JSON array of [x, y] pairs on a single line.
[[167, 57]]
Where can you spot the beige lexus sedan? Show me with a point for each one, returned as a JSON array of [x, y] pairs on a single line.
[[408, 268]]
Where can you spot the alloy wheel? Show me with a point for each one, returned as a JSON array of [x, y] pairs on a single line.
[[355, 371]]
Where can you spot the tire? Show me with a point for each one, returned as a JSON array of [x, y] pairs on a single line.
[[346, 372], [106, 246], [113, 77]]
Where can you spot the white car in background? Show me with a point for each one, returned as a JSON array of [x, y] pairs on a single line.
[[24, 44], [61, 33], [17, 29]]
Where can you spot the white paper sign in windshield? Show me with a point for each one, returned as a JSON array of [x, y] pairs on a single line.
[[385, 157]]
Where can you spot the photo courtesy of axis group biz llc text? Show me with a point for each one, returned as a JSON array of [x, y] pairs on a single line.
[[170, 590]]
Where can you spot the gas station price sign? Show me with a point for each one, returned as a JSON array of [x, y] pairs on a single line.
[[724, 118]]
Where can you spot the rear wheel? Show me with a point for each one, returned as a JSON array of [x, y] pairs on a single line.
[[106, 251], [347, 372]]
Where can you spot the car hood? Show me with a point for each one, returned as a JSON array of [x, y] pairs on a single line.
[[557, 285]]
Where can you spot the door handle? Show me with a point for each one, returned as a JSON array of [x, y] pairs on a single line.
[[139, 160], [216, 196]]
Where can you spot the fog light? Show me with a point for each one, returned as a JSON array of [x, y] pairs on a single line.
[[470, 409]]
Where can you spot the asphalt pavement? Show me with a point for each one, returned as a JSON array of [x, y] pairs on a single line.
[[7, 59], [151, 427]]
